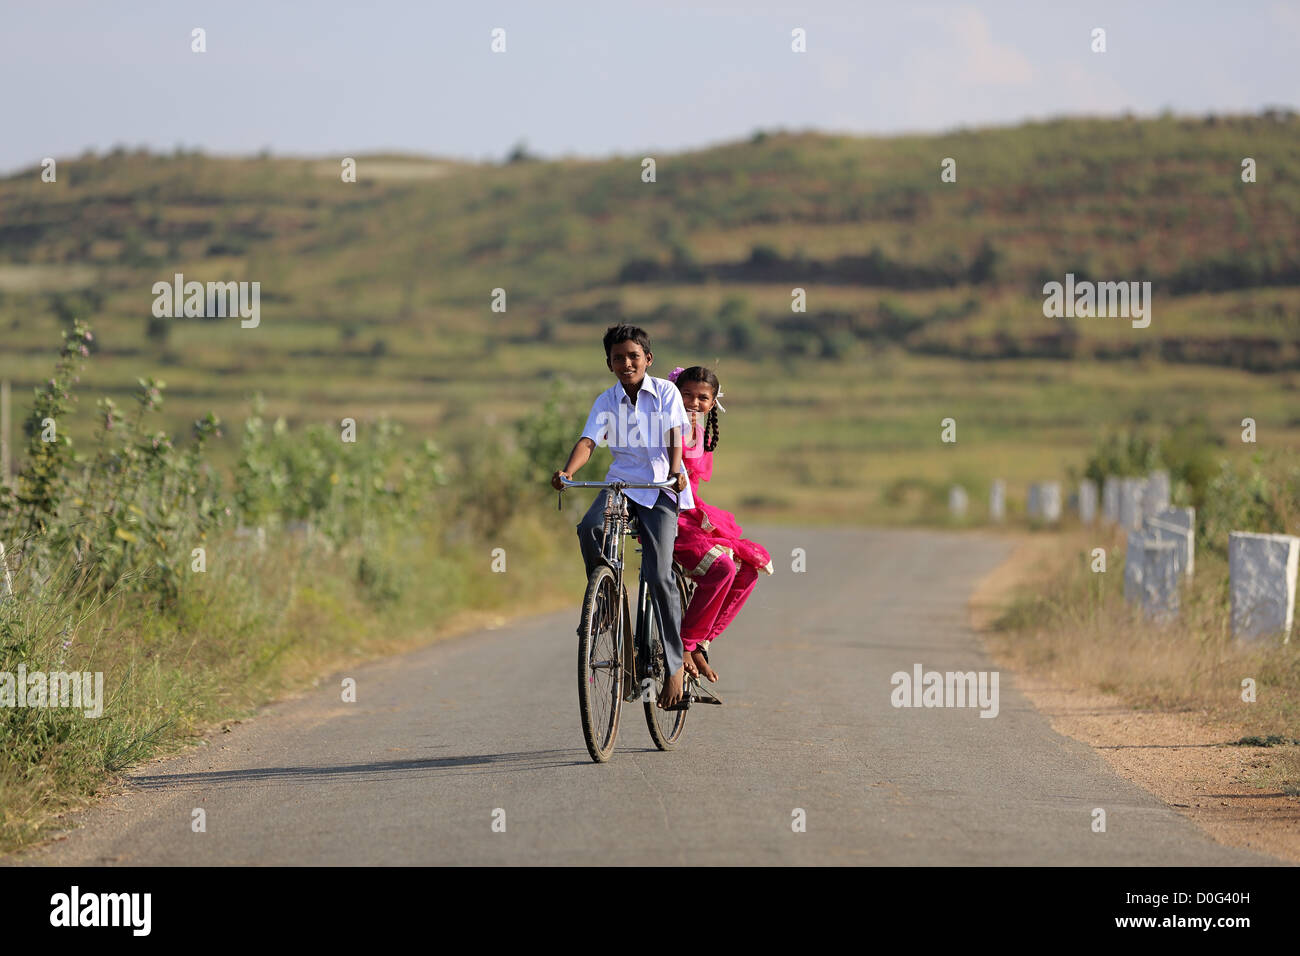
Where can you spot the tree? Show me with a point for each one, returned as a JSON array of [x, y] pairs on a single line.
[[520, 154]]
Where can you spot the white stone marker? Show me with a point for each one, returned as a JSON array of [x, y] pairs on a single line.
[[1110, 499], [1087, 501], [1155, 496], [1262, 571], [1134, 555], [1049, 497], [1044, 502], [1184, 520], [1162, 572], [998, 500], [1157, 530], [1130, 502], [957, 501]]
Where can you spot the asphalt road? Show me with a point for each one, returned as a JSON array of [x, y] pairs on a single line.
[[444, 741]]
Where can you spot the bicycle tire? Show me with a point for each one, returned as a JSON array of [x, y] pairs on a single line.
[[665, 726], [596, 644]]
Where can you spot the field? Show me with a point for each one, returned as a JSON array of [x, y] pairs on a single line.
[[924, 297]]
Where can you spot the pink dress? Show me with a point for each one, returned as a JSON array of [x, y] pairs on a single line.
[[711, 547]]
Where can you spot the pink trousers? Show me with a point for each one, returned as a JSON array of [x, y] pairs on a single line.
[[719, 596]]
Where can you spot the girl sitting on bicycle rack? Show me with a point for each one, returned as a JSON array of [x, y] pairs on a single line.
[[709, 543]]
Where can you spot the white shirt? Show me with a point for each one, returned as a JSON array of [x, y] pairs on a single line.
[[637, 435]]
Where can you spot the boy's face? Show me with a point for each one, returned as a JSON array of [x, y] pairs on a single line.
[[629, 362]]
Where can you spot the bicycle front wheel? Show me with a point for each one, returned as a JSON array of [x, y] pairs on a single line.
[[665, 725], [600, 669]]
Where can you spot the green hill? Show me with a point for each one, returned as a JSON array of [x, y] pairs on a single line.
[[924, 298]]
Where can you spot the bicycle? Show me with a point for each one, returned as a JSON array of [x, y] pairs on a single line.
[[616, 662]]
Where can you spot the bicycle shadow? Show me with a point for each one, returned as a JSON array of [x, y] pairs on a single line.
[[374, 770]]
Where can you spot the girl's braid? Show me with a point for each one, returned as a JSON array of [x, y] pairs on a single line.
[[711, 426]]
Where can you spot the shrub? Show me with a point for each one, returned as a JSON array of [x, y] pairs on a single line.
[[1261, 496], [132, 513]]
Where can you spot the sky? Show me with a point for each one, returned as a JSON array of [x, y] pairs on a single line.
[[610, 78]]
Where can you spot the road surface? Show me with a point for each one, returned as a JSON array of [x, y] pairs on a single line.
[[445, 741]]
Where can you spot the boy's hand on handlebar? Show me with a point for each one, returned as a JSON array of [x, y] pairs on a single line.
[[555, 480], [679, 479]]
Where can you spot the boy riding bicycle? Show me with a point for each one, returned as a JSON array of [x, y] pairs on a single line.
[[641, 417]]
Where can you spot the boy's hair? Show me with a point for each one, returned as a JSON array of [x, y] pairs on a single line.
[[625, 333], [698, 373]]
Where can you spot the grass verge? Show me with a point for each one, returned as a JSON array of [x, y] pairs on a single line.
[[256, 625], [1163, 705]]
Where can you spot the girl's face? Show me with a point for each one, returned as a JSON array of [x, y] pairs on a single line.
[[697, 397]]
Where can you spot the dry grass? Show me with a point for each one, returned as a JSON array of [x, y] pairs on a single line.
[[1072, 626], [257, 626]]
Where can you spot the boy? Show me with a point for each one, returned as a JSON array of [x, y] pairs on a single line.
[[642, 418]]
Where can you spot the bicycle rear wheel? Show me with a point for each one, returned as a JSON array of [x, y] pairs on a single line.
[[665, 725], [600, 671]]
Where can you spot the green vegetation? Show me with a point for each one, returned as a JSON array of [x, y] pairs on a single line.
[[923, 298], [128, 559], [1231, 491]]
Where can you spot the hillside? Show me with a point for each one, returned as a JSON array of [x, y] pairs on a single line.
[[375, 295]]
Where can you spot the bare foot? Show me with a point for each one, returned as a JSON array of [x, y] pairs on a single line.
[[702, 666], [690, 665], [672, 692]]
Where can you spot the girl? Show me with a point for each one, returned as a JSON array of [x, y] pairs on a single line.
[[709, 545]]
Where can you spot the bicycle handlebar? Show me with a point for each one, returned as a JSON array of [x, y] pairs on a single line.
[[668, 485], [618, 483]]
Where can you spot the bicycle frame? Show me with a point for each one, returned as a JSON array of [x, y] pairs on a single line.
[[612, 544], [613, 534], [635, 654]]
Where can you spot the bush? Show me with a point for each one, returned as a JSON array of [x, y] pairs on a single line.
[[1122, 453], [99, 545], [546, 437], [519, 154], [132, 513], [984, 267], [641, 269], [1261, 496]]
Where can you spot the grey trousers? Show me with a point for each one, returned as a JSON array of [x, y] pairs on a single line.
[[658, 535]]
